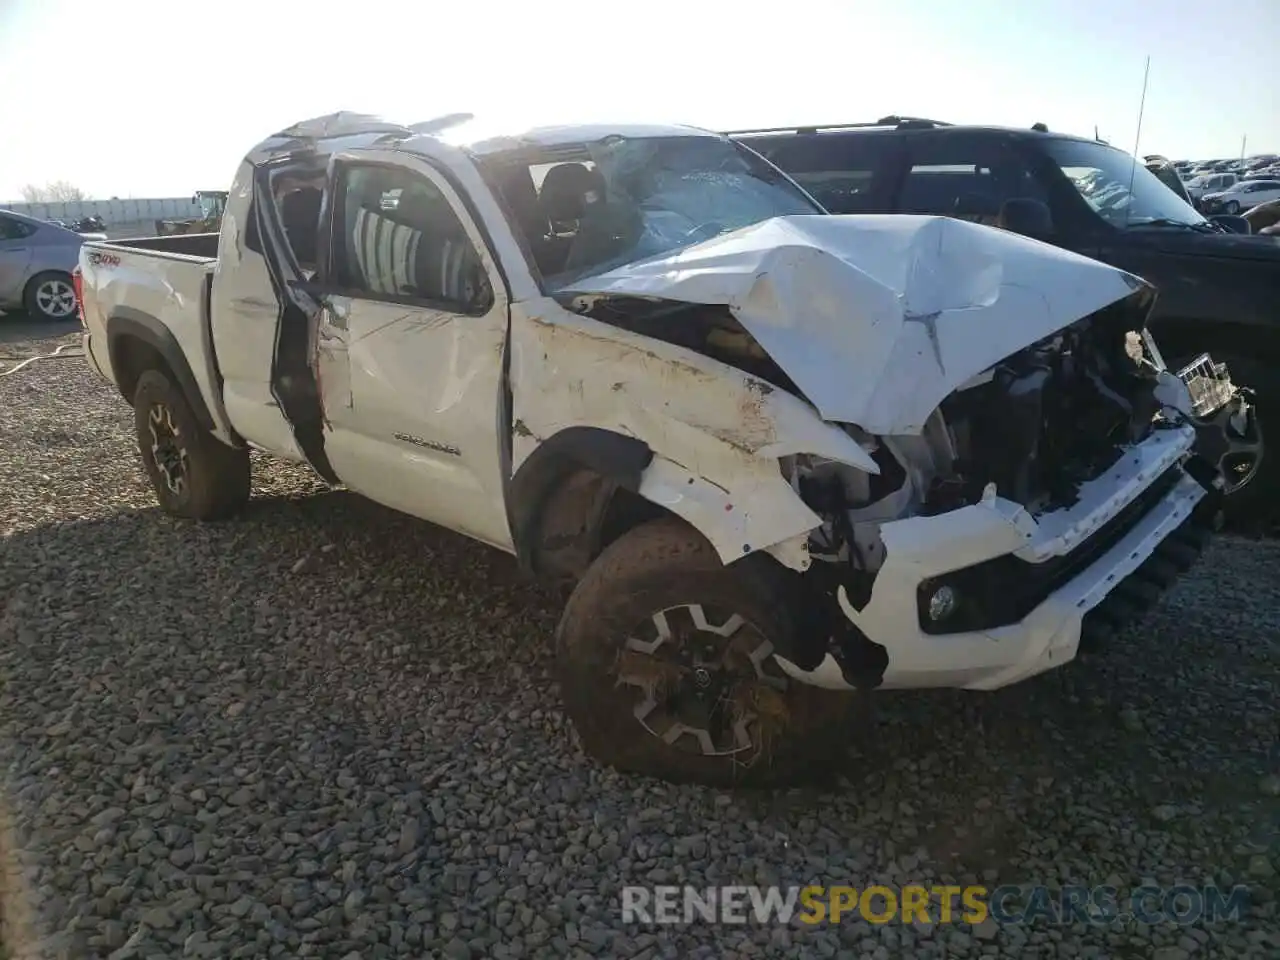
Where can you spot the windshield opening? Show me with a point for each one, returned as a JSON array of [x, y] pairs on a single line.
[[588, 208], [1121, 192]]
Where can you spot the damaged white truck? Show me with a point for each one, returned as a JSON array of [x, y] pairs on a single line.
[[782, 456]]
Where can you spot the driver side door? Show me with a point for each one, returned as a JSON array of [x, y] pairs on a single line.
[[409, 346]]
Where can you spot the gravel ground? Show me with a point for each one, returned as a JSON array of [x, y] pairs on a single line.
[[327, 730]]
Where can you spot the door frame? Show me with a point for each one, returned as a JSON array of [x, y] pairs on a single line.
[[293, 384], [334, 341]]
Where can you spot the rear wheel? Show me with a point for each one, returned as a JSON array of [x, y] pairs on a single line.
[[666, 667], [194, 474], [50, 296]]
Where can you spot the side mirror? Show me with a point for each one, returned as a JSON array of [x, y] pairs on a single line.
[[1233, 223]]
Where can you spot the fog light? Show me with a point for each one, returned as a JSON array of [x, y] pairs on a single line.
[[943, 603]]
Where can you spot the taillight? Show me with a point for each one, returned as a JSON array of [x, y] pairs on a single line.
[[77, 282]]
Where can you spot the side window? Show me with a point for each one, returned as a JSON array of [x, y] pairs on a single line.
[[297, 193], [845, 173], [967, 179], [397, 237], [14, 229]]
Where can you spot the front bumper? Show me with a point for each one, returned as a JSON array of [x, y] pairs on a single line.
[[1099, 550]]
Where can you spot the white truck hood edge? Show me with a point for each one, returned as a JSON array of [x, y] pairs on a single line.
[[878, 318]]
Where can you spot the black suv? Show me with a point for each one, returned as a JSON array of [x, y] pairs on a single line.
[[1218, 290]]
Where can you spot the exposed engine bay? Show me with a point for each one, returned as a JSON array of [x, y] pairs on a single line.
[[1035, 427]]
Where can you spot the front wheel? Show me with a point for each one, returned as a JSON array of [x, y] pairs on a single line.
[[194, 474], [1231, 207], [50, 296], [667, 668]]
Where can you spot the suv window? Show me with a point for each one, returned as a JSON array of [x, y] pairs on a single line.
[[397, 237], [11, 229], [846, 174], [969, 179], [1121, 192]]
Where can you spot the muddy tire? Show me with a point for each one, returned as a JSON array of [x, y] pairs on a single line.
[[665, 670], [194, 474]]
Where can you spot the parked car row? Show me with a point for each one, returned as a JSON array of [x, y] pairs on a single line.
[[781, 456], [1266, 164], [1241, 196]]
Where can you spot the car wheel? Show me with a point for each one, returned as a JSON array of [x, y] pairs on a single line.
[[666, 667], [50, 296], [194, 474], [1231, 207]]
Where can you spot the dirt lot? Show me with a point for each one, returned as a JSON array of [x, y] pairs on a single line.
[[327, 730]]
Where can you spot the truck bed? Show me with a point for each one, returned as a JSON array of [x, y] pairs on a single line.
[[192, 246], [152, 294]]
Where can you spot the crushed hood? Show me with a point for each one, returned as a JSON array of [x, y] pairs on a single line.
[[878, 318]]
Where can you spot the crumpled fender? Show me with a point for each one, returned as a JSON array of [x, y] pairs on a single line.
[[716, 432]]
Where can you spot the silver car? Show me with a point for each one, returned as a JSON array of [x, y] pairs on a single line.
[[36, 260]]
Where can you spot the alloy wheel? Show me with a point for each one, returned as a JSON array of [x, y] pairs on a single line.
[[704, 682], [56, 298], [167, 449]]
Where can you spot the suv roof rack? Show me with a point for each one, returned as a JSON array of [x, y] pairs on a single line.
[[893, 120]]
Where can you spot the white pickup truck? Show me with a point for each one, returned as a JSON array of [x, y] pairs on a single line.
[[783, 456]]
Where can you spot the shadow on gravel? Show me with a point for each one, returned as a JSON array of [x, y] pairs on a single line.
[[347, 627]]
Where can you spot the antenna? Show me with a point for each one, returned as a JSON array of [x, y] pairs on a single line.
[[1142, 106]]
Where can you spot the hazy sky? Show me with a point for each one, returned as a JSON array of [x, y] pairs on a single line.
[[163, 97]]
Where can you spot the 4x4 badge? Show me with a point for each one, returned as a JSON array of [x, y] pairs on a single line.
[[430, 444]]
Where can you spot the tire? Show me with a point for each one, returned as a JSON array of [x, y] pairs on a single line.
[[1231, 208], [778, 731], [50, 296], [194, 474]]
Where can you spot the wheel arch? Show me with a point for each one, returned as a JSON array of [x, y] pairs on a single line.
[[576, 493], [137, 342]]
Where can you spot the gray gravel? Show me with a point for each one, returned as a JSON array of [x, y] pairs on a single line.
[[327, 730]]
